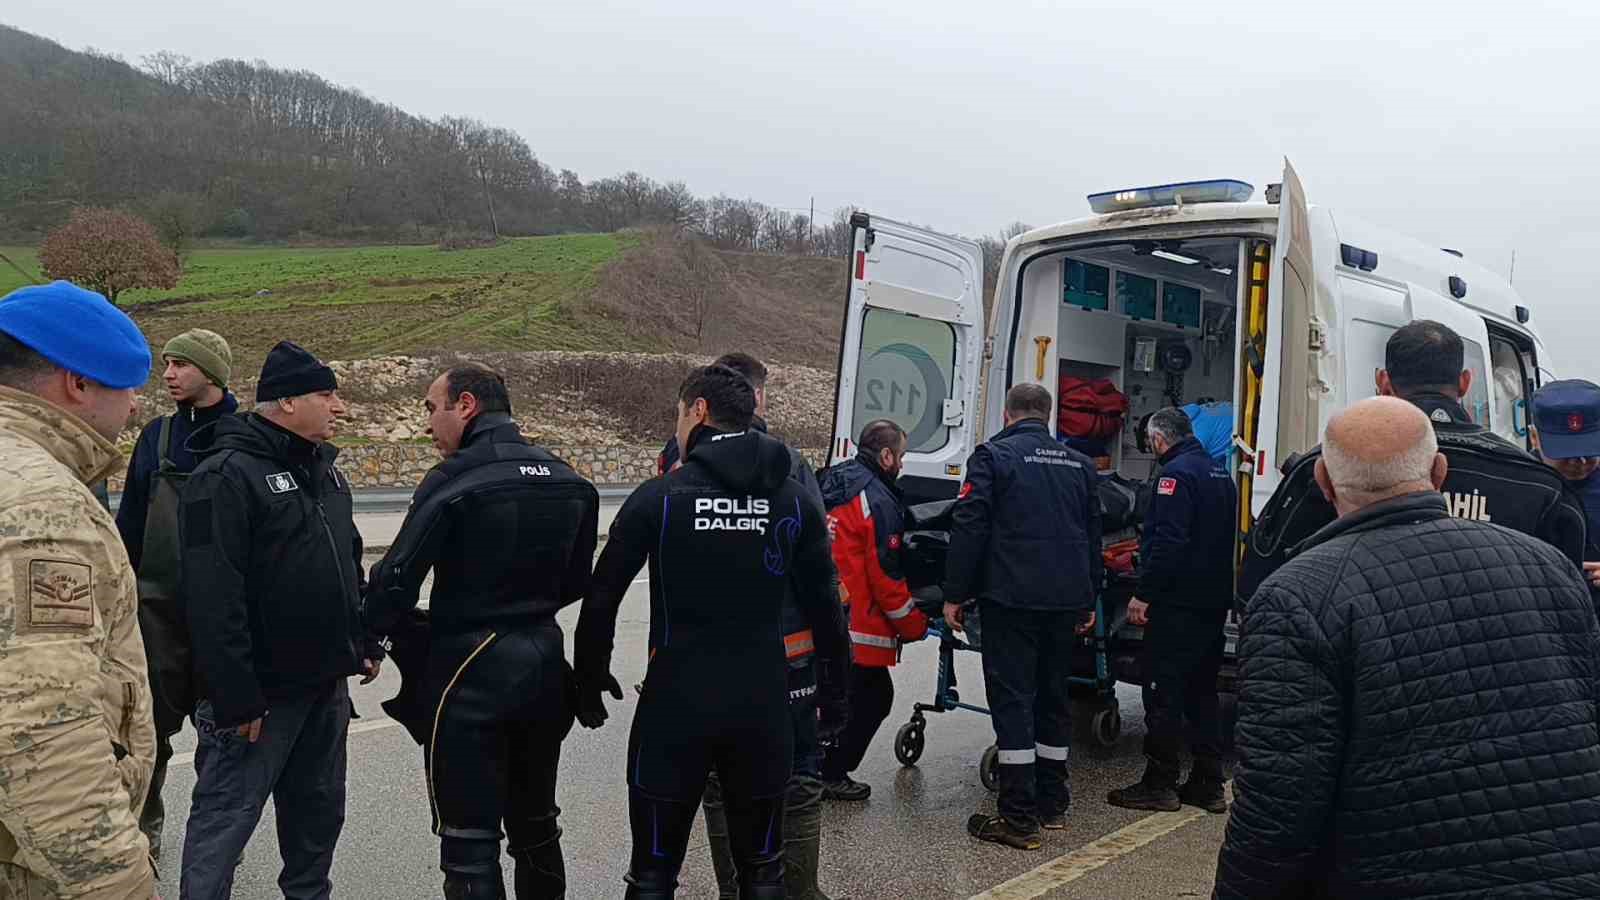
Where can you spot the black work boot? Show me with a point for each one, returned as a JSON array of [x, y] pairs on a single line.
[[996, 830], [1204, 787], [1053, 821], [1204, 793], [846, 789], [1148, 795], [541, 872]]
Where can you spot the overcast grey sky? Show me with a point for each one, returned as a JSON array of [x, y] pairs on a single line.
[[1466, 128]]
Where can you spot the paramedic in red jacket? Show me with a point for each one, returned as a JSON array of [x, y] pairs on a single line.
[[865, 514]]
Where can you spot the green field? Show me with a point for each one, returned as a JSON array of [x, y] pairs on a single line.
[[523, 294], [355, 275]]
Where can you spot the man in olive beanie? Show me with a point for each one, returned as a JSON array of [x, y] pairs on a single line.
[[198, 364], [206, 351]]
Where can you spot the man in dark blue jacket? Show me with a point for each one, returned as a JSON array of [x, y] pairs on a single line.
[[198, 366], [1025, 541], [1185, 591]]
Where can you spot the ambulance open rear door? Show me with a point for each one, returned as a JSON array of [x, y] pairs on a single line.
[[912, 348], [1280, 354]]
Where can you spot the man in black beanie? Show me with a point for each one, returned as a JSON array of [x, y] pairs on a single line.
[[271, 585]]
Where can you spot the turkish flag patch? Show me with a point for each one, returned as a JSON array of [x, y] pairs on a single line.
[[1575, 422], [966, 488], [894, 542], [1166, 487]]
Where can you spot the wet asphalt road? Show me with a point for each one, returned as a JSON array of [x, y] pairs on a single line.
[[908, 841]]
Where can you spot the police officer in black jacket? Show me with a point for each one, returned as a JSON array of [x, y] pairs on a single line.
[[1490, 479], [1185, 591], [509, 532], [271, 583], [726, 536], [1025, 541]]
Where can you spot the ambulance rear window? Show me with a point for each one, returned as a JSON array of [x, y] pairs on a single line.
[[907, 370]]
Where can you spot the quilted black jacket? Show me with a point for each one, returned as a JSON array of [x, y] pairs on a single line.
[[1417, 717]]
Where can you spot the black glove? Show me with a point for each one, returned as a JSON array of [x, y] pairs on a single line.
[[591, 703], [833, 705]]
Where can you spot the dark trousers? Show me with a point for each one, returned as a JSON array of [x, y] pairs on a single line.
[[502, 712], [1027, 657], [871, 693], [298, 761], [1182, 653]]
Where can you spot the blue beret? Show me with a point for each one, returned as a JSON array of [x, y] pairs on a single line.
[[78, 330]]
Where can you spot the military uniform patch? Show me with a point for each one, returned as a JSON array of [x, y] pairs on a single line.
[[59, 595], [282, 483]]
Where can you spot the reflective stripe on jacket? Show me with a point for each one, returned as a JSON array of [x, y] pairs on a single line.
[[866, 548]]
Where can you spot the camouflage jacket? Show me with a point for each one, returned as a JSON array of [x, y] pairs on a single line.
[[77, 741]]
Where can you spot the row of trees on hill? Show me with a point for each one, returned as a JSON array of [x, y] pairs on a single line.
[[241, 149]]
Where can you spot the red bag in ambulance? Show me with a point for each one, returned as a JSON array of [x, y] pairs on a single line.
[[1090, 408]]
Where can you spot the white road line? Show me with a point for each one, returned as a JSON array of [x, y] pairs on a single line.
[[183, 759], [1070, 867]]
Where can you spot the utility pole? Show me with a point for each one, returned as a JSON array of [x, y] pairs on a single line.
[[811, 226], [1512, 278]]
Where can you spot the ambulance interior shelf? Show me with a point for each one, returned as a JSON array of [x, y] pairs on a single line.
[[1155, 321]]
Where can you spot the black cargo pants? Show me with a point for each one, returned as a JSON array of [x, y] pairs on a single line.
[[1027, 658], [1182, 654]]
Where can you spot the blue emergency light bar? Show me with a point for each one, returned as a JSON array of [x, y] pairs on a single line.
[[1171, 194]]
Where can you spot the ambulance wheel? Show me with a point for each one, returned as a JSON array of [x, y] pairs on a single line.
[[908, 744], [1107, 726], [989, 768]]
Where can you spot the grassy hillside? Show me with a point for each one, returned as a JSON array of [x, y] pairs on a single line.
[[631, 291]]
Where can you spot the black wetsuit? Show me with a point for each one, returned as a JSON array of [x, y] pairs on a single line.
[[725, 536], [508, 531]]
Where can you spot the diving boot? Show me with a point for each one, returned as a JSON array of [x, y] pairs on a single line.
[[541, 873]]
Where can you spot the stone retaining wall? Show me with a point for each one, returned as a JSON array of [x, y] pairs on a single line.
[[402, 465]]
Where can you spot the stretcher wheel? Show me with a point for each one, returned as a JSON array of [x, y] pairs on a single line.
[[908, 743], [1106, 726], [989, 768]]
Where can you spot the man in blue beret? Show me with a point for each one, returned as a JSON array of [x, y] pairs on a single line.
[[76, 730], [1566, 419]]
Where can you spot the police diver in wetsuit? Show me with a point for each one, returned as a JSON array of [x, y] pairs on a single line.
[[725, 537]]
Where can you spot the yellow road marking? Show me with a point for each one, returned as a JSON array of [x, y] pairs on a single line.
[[180, 759], [1070, 867]]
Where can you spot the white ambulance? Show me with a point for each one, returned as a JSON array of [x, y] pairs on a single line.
[[1175, 294]]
